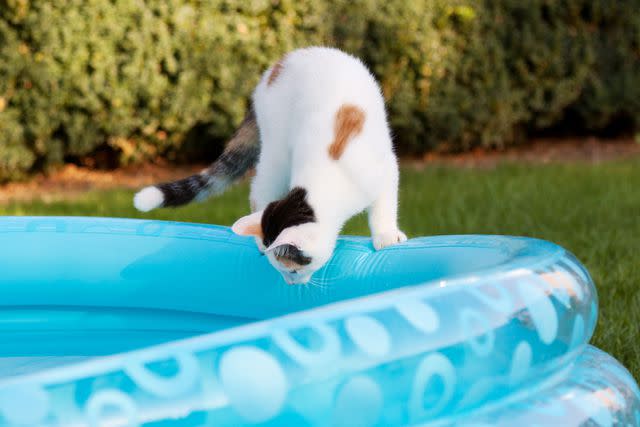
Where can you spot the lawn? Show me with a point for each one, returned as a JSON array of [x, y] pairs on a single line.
[[592, 210]]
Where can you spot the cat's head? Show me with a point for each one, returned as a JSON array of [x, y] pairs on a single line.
[[287, 233]]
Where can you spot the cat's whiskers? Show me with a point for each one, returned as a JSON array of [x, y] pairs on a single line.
[[317, 284]]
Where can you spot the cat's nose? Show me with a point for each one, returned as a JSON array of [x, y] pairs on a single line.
[[290, 280]]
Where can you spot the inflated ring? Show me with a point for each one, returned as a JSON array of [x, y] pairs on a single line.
[[200, 330]]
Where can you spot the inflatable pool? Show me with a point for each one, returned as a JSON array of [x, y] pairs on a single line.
[[108, 322]]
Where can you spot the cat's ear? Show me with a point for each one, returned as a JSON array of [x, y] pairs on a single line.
[[250, 225]]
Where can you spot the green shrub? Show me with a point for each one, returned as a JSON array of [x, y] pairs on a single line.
[[140, 78], [612, 92], [460, 73], [427, 73], [132, 75]]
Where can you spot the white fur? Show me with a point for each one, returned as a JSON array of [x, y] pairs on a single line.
[[296, 117], [148, 198]]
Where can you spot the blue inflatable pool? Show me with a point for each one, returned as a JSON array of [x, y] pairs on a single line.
[[107, 322]]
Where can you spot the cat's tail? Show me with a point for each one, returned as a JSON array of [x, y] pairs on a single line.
[[240, 154]]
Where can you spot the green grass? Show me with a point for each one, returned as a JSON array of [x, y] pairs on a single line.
[[592, 210]]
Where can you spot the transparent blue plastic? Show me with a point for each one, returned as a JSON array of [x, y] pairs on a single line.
[[150, 323]]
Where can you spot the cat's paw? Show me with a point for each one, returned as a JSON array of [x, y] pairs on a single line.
[[382, 240]]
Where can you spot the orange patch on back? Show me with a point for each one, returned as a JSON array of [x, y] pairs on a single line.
[[275, 72], [349, 122]]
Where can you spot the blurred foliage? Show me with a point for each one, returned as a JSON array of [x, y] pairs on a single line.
[[83, 76], [462, 73], [140, 78]]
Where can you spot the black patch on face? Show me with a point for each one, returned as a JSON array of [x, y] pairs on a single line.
[[292, 210], [293, 254]]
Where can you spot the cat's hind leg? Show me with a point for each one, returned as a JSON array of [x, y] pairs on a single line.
[[383, 217]]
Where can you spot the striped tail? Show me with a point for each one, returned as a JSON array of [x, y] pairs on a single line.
[[240, 154]]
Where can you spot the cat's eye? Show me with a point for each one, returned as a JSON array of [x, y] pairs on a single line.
[[289, 254]]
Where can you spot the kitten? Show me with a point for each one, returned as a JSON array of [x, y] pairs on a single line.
[[318, 135]]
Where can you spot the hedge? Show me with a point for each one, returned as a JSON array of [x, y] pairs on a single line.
[[142, 79]]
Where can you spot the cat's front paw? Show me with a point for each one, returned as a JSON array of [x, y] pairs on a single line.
[[382, 240]]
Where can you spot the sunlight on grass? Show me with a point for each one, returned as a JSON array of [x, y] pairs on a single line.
[[592, 210]]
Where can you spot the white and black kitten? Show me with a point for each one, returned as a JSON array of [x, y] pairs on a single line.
[[318, 136]]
